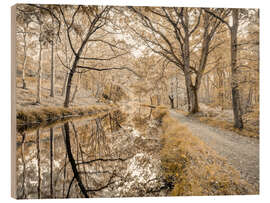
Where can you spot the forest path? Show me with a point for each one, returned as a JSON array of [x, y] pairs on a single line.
[[240, 151]]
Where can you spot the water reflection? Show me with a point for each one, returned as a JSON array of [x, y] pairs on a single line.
[[101, 157]]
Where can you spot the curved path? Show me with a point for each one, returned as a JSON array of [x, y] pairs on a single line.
[[240, 151]]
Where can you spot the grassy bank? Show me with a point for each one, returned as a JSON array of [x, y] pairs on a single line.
[[27, 118], [248, 130], [191, 167]]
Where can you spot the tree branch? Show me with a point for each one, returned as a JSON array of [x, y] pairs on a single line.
[[216, 16], [52, 14], [103, 59], [104, 160], [69, 27], [198, 22], [107, 69]]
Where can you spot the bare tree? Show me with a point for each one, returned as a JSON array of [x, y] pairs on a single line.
[[177, 48], [38, 98], [51, 161], [23, 19], [97, 18], [52, 62]]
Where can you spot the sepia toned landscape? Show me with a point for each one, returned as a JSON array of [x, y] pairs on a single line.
[[124, 101]]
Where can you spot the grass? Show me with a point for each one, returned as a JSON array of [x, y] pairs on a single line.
[[47, 115], [246, 131], [191, 167]]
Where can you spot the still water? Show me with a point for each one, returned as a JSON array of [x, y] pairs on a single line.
[[105, 156]]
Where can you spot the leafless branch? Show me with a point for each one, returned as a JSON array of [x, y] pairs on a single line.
[[216, 16], [104, 160], [52, 14], [103, 59], [197, 24], [108, 69], [69, 27]]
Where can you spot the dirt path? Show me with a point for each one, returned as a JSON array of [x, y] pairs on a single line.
[[242, 152]]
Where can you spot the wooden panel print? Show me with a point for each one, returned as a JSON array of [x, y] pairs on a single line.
[[123, 101]]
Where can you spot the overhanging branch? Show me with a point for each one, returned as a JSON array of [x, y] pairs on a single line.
[[108, 69]]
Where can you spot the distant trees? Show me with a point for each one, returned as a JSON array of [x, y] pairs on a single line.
[[23, 21], [171, 97], [46, 37], [52, 38], [238, 121], [43, 28], [38, 100]]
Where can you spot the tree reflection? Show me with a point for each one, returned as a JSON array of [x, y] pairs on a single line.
[[72, 161], [84, 158], [38, 163]]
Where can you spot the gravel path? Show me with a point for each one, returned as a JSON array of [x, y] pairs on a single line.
[[240, 151]]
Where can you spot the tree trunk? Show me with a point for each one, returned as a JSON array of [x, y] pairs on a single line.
[[70, 76], [51, 162], [250, 96], [192, 90], [68, 63], [238, 122], [38, 99], [64, 84], [38, 164], [98, 90], [76, 88], [23, 166], [192, 95], [176, 92], [73, 69], [171, 101], [78, 81], [220, 74], [158, 100], [52, 70], [151, 103], [24, 61]]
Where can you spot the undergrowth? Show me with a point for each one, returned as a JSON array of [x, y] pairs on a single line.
[[191, 167]]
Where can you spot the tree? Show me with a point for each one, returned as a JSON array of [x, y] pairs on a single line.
[[52, 60], [96, 18], [171, 97], [237, 111], [23, 19], [186, 48], [39, 15], [24, 33], [41, 40]]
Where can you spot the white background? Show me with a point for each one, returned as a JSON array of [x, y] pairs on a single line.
[[5, 100]]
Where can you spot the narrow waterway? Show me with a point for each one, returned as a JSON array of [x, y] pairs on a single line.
[[114, 155]]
